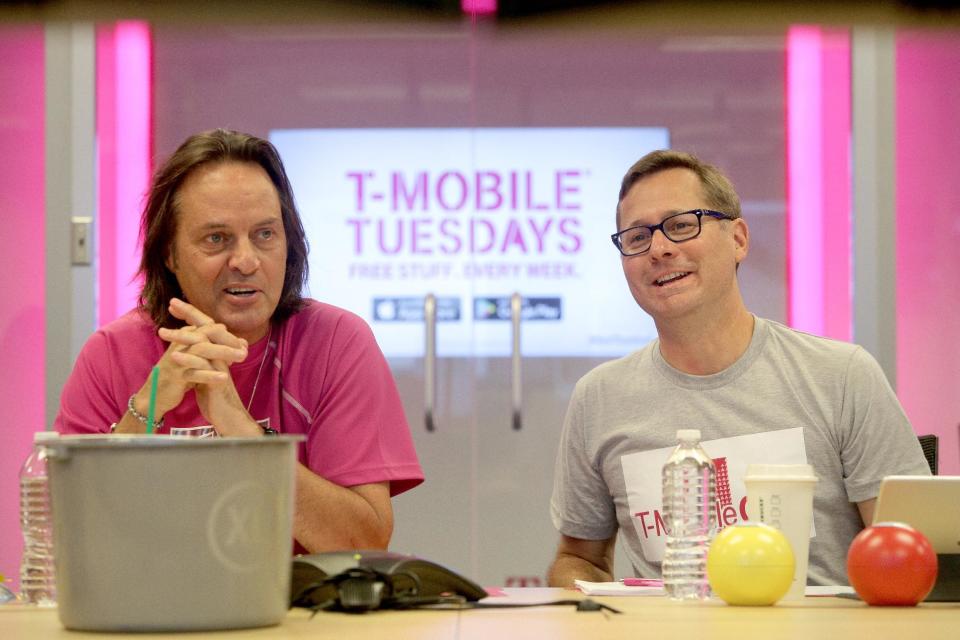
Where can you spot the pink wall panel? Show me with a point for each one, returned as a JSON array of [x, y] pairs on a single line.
[[22, 262], [928, 236]]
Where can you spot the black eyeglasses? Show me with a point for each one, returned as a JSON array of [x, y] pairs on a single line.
[[679, 227]]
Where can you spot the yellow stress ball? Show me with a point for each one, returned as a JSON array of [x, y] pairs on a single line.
[[750, 564]]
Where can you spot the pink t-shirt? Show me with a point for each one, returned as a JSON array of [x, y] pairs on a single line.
[[319, 373]]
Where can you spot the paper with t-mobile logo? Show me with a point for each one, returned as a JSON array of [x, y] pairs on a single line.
[[641, 475], [203, 431]]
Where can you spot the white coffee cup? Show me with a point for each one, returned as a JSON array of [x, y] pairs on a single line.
[[781, 495]]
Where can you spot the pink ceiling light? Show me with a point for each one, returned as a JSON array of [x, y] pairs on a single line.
[[478, 7]]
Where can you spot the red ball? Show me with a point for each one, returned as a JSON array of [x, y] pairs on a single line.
[[891, 563]]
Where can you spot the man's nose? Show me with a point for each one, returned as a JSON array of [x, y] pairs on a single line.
[[245, 258], [660, 244]]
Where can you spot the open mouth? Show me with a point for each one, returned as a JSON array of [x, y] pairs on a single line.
[[240, 292], [671, 277]]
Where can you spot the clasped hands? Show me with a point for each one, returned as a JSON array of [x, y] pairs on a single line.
[[199, 358]]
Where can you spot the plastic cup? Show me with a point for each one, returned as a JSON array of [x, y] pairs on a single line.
[[781, 495]]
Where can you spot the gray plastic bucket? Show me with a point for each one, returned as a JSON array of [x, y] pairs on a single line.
[[162, 533]]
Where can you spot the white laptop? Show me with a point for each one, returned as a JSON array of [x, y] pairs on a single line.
[[930, 504]]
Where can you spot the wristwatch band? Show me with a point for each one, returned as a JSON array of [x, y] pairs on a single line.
[[142, 418]]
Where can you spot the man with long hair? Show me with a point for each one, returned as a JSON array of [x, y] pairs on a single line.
[[236, 347]]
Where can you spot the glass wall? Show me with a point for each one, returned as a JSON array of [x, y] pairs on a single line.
[[720, 94]]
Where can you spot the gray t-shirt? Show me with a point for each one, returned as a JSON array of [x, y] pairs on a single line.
[[791, 397]]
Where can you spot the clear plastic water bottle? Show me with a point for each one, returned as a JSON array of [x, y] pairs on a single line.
[[689, 492], [37, 580]]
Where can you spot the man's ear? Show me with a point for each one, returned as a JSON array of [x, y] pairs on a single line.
[[741, 239]]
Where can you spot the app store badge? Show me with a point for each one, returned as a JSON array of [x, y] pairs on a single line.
[[410, 309], [533, 308]]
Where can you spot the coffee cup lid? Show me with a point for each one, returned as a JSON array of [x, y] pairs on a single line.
[[792, 472]]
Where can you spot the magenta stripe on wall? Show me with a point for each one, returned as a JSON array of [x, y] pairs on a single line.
[[818, 181], [124, 101]]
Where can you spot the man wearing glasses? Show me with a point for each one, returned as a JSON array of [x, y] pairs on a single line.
[[758, 391]]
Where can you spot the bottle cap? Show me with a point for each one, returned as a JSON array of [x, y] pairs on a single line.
[[688, 435]]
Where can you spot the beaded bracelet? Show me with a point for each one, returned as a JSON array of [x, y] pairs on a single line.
[[133, 411]]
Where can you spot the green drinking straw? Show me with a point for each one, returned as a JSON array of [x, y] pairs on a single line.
[[153, 398]]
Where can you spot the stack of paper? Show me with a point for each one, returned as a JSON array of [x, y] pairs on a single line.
[[652, 588]]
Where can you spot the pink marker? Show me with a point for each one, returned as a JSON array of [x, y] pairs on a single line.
[[642, 582]]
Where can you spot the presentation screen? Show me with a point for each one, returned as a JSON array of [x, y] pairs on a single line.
[[472, 216]]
